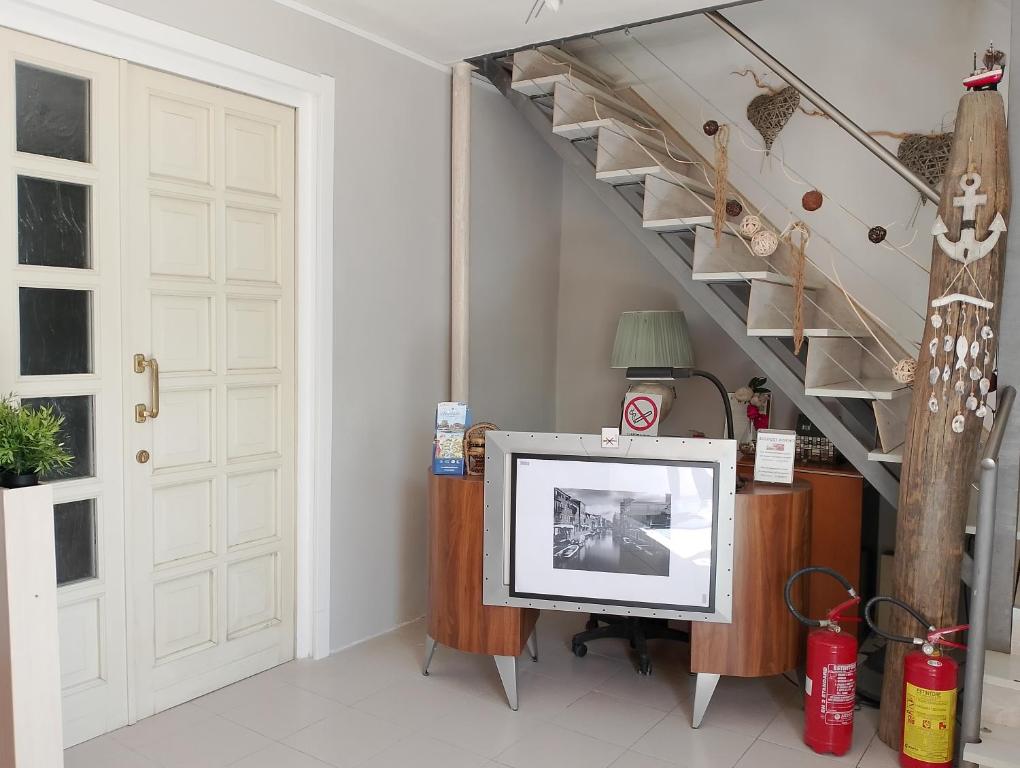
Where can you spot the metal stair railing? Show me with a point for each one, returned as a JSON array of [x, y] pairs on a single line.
[[981, 599]]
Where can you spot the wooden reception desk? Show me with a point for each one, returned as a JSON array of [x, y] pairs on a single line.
[[771, 540]]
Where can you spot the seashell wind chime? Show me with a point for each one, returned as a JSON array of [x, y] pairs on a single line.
[[961, 365]]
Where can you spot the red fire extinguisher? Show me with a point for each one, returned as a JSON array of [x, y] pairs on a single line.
[[830, 685], [929, 691]]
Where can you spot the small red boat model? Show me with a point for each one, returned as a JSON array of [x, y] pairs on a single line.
[[988, 77]]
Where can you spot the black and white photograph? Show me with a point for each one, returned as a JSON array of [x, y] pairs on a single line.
[[633, 530], [611, 531]]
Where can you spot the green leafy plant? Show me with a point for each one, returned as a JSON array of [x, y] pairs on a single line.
[[30, 439]]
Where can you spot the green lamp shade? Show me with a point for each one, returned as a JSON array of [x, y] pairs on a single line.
[[653, 340]]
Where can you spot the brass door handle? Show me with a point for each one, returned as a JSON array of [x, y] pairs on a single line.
[[141, 412]]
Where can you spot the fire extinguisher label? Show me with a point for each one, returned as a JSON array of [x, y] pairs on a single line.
[[839, 682], [928, 724]]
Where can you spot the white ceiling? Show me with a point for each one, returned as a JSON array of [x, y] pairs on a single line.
[[450, 30]]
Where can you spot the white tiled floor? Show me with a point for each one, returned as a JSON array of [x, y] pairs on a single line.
[[370, 706]]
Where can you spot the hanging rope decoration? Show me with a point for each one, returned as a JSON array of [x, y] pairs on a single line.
[[722, 165], [798, 237]]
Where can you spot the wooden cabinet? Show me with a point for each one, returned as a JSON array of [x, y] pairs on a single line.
[[456, 616], [836, 511], [770, 541]]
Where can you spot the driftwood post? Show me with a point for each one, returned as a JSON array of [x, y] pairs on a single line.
[[938, 463]]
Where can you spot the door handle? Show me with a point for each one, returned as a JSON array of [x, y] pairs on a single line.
[[141, 412]]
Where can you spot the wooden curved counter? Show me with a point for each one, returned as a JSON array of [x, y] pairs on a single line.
[[771, 540], [456, 616]]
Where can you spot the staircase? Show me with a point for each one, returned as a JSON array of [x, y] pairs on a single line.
[[637, 164]]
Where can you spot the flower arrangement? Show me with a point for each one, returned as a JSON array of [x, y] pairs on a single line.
[[757, 399], [29, 443]]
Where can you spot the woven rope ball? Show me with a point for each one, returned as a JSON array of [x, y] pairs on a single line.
[[905, 370], [749, 225], [764, 242], [926, 155]]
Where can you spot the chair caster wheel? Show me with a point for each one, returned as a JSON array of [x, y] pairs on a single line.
[[591, 624], [580, 650]]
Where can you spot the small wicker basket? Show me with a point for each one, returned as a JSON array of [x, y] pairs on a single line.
[[474, 447]]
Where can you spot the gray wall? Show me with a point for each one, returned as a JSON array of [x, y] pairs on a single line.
[[515, 263], [392, 275], [605, 271]]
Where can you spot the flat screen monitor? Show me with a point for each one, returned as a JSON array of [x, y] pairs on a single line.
[[644, 529]]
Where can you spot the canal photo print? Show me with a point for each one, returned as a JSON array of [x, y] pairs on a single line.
[[611, 531], [614, 531]]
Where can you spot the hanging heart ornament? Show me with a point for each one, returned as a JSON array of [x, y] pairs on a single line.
[[770, 112]]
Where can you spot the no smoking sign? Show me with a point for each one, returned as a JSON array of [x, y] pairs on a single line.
[[641, 414]]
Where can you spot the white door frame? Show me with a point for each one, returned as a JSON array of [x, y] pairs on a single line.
[[110, 31]]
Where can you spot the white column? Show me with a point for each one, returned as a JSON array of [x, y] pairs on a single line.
[[460, 229], [30, 719]]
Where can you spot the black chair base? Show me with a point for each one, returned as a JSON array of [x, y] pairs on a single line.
[[637, 631]]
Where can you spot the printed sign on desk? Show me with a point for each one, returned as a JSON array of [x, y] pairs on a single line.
[[641, 414], [773, 456]]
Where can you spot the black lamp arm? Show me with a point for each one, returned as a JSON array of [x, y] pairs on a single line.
[[725, 397]]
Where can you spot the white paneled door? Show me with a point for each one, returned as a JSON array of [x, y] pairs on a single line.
[[208, 223], [146, 294]]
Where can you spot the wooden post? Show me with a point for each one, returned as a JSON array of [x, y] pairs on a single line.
[[460, 229], [938, 463]]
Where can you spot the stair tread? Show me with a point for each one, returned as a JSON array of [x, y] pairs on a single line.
[[867, 388], [999, 748], [894, 456], [677, 223], [741, 277], [825, 333], [1002, 669]]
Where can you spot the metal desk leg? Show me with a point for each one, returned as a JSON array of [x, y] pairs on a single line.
[[507, 667], [703, 690], [533, 644], [430, 650]]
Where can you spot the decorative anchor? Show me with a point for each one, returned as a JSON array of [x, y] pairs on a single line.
[[968, 248]]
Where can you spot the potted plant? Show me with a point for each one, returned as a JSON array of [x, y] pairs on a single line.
[[29, 443]]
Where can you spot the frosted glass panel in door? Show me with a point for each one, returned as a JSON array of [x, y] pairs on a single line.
[[60, 292]]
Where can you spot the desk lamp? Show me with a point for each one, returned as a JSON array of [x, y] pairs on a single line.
[[655, 347]]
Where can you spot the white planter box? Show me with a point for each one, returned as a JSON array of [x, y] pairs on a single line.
[[30, 718]]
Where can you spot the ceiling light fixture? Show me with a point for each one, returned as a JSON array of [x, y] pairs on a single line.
[[539, 5]]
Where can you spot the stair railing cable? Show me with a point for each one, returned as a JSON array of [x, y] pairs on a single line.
[[678, 180], [744, 202], [744, 135], [853, 303]]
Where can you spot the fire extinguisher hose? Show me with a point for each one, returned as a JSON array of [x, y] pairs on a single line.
[[933, 637], [869, 608], [833, 616]]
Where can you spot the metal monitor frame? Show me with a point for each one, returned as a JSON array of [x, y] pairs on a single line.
[[500, 448]]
